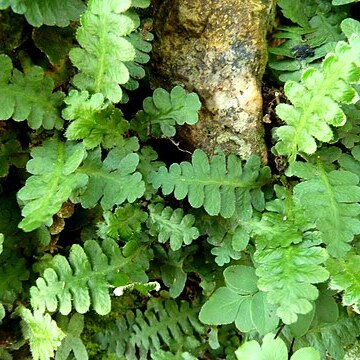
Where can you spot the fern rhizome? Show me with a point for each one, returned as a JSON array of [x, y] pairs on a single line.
[[108, 252]]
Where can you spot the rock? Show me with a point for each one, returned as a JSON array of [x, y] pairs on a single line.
[[217, 49]]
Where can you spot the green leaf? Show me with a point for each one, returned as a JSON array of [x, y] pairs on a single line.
[[218, 185], [222, 307], [42, 332], [330, 199], [344, 276], [163, 110], [241, 279], [48, 12], [287, 275], [112, 181], [11, 153], [316, 101], [124, 223], [2, 313], [350, 26], [168, 224], [72, 343], [273, 349], [54, 180], [93, 121], [84, 280], [29, 96], [101, 36]]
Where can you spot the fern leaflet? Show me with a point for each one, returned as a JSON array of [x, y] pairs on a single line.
[[344, 276], [316, 101], [53, 181], [338, 192], [218, 186], [102, 41], [93, 121], [173, 225], [112, 181], [42, 332], [48, 12], [287, 275], [83, 280], [163, 110], [29, 96], [163, 324]]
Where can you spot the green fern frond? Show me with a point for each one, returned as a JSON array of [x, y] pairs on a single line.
[[337, 192], [104, 49], [220, 185], [344, 276], [112, 181], [29, 96], [11, 153], [168, 224], [330, 339], [124, 223], [287, 274], [46, 12], [42, 332], [53, 181], [316, 101], [93, 121], [72, 342], [164, 324], [164, 110], [84, 279]]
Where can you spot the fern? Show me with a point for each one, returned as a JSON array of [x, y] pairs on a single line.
[[124, 223], [83, 280], [93, 120], [218, 185], [163, 110], [344, 277], [42, 332], [71, 343], [162, 325], [102, 41], [29, 96], [173, 225], [112, 181], [338, 192], [53, 166], [48, 12], [11, 153], [287, 275], [316, 101]]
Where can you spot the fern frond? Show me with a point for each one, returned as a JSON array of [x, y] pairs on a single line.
[[42, 332], [316, 101], [338, 193], [287, 275], [46, 12], [164, 110], [104, 49], [219, 185], [72, 342], [93, 121], [330, 339], [344, 276], [168, 224], [29, 96], [11, 153], [111, 181], [84, 279], [53, 180], [163, 325], [124, 223]]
